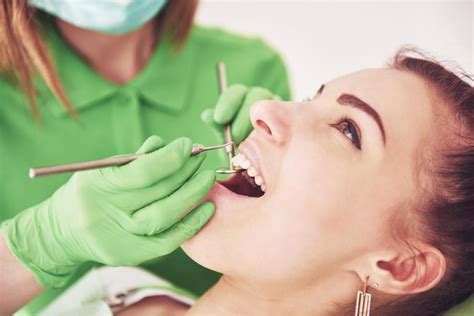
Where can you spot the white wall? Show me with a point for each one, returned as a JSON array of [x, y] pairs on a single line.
[[321, 40]]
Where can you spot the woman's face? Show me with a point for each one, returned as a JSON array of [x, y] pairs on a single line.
[[335, 169]]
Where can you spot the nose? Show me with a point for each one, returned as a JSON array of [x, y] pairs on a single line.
[[272, 120]]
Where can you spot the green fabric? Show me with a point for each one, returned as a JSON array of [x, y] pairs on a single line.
[[464, 309], [165, 99], [141, 207]]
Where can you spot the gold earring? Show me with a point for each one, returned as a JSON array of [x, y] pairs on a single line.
[[363, 301]]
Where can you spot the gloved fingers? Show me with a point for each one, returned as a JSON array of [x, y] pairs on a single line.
[[229, 103], [190, 225], [160, 215], [152, 143], [136, 199], [208, 117], [241, 125], [150, 168]]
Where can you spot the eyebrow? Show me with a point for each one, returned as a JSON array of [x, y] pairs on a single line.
[[352, 100], [320, 90]]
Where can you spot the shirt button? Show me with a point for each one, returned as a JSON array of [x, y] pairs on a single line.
[[128, 95]]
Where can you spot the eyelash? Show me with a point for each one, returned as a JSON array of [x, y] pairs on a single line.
[[354, 129], [346, 122]]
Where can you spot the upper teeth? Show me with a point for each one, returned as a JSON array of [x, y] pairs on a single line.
[[241, 161]]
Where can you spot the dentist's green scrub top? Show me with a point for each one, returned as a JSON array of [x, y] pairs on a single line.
[[165, 99]]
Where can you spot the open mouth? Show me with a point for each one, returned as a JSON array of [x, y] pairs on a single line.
[[249, 182], [241, 183]]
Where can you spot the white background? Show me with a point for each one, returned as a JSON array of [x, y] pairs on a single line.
[[321, 40]]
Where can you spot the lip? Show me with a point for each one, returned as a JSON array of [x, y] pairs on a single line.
[[249, 149]]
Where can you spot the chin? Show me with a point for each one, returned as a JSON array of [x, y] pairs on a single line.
[[237, 202]]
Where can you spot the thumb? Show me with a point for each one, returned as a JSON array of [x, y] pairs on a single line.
[[189, 226], [152, 143]]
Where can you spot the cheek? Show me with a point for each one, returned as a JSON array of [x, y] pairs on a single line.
[[305, 210], [319, 205], [309, 184]]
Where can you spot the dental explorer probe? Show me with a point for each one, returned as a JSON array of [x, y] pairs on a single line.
[[112, 161], [222, 78]]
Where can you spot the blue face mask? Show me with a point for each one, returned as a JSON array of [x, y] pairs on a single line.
[[107, 16]]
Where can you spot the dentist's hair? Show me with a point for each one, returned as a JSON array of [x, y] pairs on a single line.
[[23, 51], [445, 209]]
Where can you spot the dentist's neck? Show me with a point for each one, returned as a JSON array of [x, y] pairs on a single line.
[[233, 297], [117, 58]]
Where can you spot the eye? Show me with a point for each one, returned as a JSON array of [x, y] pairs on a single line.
[[350, 130]]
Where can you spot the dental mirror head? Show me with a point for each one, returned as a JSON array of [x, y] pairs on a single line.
[[229, 171]]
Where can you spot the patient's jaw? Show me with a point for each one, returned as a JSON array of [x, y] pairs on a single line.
[[329, 205]]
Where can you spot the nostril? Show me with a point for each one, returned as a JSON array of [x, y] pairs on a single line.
[[264, 126]]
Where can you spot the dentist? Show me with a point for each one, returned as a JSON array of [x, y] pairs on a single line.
[[99, 77]]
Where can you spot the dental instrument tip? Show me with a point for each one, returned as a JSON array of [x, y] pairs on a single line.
[[199, 149], [229, 171]]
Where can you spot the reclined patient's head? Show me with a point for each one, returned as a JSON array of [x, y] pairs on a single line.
[[353, 186]]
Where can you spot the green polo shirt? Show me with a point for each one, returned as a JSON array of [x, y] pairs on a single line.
[[166, 98]]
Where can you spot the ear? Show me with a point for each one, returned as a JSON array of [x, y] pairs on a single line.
[[405, 271]]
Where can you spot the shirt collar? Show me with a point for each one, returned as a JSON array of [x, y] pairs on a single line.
[[163, 83]]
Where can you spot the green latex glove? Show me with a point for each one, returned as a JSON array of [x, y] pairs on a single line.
[[116, 216], [233, 107]]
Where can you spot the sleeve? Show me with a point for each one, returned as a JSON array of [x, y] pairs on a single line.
[[272, 73]]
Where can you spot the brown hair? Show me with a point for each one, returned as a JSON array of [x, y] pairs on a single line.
[[446, 207], [23, 51]]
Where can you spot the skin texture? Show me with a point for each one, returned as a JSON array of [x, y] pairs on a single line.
[[155, 306], [117, 58], [325, 222], [14, 274]]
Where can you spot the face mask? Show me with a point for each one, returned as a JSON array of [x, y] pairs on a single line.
[[107, 16]]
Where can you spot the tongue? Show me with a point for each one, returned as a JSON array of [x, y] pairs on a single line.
[[243, 184]]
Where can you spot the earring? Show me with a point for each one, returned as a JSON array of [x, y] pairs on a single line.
[[363, 301]]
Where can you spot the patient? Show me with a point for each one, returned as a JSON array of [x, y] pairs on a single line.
[[371, 178]]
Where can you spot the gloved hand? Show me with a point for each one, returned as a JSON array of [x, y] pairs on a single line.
[[233, 107], [116, 216]]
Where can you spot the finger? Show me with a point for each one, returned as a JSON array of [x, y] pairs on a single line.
[[150, 247], [208, 117], [229, 103], [134, 200], [152, 167], [163, 213], [241, 126], [189, 226], [151, 143]]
